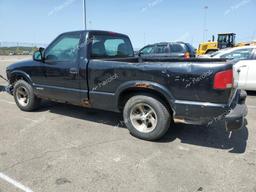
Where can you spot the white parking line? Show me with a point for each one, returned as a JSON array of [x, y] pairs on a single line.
[[9, 102], [14, 183]]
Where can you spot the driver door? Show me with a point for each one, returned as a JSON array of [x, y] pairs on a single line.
[[62, 81]]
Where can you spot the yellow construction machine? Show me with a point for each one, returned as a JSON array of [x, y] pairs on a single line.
[[225, 40]]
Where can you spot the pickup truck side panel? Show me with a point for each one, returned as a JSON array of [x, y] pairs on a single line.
[[108, 79]]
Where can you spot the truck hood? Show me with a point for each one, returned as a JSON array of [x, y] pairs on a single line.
[[25, 63]]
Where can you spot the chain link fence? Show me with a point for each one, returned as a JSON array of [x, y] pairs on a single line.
[[19, 48]]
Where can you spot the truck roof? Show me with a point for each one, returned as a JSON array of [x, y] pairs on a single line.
[[97, 32], [226, 34]]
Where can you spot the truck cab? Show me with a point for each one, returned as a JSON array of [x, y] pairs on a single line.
[[226, 40], [60, 72]]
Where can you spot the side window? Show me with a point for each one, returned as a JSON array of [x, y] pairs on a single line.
[[190, 48], [239, 54], [147, 50], [222, 38], [161, 49], [110, 46], [65, 48], [177, 48]]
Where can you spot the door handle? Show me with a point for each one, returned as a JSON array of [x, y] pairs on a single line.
[[73, 71], [243, 66]]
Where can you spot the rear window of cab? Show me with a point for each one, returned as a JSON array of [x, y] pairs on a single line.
[[111, 46]]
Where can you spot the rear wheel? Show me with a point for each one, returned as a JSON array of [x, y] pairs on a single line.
[[24, 96], [146, 117]]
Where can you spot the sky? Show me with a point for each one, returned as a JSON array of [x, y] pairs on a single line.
[[145, 21]]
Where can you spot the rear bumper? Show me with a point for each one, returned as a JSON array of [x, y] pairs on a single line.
[[235, 120]]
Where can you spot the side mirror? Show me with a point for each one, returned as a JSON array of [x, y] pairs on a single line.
[[41, 49], [38, 55]]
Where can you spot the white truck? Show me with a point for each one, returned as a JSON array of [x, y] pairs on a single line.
[[246, 66]]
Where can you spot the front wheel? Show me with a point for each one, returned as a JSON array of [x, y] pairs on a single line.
[[146, 117], [24, 96]]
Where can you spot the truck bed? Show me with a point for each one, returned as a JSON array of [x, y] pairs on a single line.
[[166, 59]]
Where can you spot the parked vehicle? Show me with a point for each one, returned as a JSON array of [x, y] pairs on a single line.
[[225, 40], [97, 69], [246, 65], [238, 53], [171, 50]]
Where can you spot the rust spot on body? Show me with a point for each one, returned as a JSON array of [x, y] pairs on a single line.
[[86, 103], [143, 85]]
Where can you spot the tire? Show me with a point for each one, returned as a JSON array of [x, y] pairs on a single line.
[[24, 96], [149, 127]]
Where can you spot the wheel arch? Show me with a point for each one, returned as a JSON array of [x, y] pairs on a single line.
[[129, 89], [18, 75]]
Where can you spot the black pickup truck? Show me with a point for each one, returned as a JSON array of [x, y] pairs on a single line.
[[97, 69]]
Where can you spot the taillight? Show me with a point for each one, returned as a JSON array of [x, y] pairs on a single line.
[[223, 80], [187, 55]]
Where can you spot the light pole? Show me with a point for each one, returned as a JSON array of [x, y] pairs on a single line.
[[84, 14], [205, 32]]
